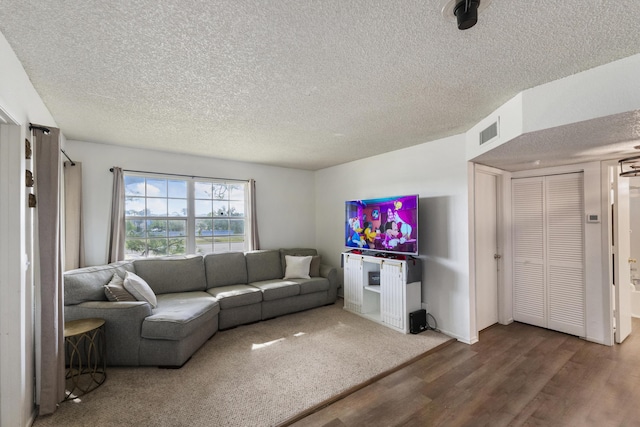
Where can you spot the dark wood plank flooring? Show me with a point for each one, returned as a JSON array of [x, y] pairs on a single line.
[[516, 375]]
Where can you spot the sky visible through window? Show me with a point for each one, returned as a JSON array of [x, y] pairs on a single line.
[[180, 216]]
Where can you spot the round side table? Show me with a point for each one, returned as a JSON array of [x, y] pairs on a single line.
[[85, 353]]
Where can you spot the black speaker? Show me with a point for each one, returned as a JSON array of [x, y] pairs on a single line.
[[418, 321]]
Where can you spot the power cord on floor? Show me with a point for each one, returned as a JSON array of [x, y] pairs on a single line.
[[432, 324]]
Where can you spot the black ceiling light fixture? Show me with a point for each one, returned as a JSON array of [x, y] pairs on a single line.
[[465, 12], [630, 166]]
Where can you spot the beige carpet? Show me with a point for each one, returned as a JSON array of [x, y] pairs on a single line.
[[253, 375]]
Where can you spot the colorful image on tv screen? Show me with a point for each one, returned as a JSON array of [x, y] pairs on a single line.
[[387, 224]]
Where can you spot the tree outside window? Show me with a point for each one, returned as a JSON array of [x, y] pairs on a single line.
[[159, 220]]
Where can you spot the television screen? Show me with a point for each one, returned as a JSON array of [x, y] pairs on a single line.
[[388, 224]]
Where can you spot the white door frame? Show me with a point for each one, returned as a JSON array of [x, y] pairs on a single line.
[[16, 308], [503, 194], [620, 246]]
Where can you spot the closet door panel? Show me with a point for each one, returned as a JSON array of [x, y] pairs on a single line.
[[566, 300], [565, 253], [529, 293]]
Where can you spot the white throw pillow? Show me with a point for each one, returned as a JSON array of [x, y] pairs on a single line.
[[115, 291], [140, 289], [297, 267]]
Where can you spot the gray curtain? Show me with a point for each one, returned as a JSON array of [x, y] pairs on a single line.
[[73, 222], [254, 243], [117, 227], [50, 387]]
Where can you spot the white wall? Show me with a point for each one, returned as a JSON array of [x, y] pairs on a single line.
[[601, 91], [284, 197], [21, 104], [437, 171]]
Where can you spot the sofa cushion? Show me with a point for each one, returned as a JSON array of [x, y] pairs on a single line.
[[140, 289], [115, 291], [236, 295], [179, 315], [225, 269], [277, 289], [315, 284], [297, 267], [87, 284], [172, 274], [295, 252], [263, 265]]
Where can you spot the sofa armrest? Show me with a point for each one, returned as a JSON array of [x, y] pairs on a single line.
[[331, 274], [123, 326]]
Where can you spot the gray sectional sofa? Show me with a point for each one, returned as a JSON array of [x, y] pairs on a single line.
[[196, 296]]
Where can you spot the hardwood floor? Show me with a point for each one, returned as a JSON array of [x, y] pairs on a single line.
[[515, 375]]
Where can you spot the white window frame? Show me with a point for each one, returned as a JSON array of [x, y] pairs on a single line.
[[191, 246]]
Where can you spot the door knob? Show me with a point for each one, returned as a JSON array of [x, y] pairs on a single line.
[[497, 256]]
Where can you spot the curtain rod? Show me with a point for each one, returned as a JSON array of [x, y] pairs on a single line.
[[45, 130], [187, 176], [65, 154]]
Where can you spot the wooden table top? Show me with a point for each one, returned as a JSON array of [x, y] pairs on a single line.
[[81, 326]]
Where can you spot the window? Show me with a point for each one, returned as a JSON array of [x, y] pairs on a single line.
[[169, 216]]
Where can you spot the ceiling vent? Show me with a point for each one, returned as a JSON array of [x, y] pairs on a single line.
[[489, 133]]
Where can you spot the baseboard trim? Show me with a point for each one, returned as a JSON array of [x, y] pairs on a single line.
[[32, 418], [464, 340]]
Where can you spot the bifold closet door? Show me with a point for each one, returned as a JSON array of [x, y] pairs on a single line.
[[565, 254], [529, 289], [549, 282]]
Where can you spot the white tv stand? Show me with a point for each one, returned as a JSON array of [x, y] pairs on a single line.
[[389, 303]]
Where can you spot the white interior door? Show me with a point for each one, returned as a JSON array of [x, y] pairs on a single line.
[[486, 250], [565, 219], [529, 288], [621, 249]]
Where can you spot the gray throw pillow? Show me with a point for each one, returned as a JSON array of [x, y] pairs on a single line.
[[115, 291], [314, 268], [140, 289]]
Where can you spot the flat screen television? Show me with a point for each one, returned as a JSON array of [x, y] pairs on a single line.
[[387, 224]]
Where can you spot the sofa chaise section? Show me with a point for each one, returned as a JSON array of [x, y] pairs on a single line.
[[177, 328], [186, 316]]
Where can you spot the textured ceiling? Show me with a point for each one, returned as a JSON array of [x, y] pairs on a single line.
[[298, 83]]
